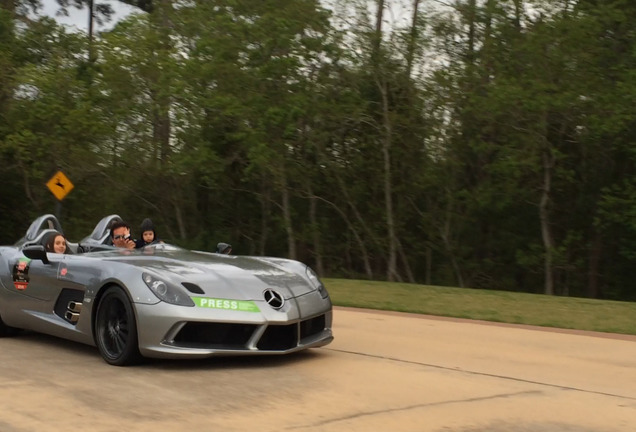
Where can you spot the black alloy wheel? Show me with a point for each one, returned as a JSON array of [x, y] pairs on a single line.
[[116, 329]]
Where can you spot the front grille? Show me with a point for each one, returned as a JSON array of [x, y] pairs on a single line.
[[312, 326], [236, 336], [215, 335], [279, 337]]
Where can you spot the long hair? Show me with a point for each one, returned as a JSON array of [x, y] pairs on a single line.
[[50, 242]]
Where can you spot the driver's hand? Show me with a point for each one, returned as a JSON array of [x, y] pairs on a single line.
[[124, 243]]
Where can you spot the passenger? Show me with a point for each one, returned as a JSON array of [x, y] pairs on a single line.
[[224, 248], [120, 235], [148, 234], [56, 243]]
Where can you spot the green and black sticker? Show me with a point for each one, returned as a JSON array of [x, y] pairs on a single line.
[[226, 304], [21, 274]]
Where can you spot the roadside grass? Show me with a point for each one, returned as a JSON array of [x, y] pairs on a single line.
[[498, 306]]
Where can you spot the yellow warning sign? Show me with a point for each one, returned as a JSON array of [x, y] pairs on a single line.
[[60, 185]]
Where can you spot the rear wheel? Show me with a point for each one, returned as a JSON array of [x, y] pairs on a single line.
[[116, 329], [6, 330]]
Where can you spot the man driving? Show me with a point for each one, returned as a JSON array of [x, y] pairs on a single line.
[[120, 235]]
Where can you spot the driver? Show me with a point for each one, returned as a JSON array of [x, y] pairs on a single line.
[[120, 235]]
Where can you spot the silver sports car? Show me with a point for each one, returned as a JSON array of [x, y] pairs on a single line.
[[159, 301]]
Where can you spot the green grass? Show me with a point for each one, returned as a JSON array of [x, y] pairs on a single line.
[[498, 306]]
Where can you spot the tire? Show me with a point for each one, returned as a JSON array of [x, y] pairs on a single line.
[[6, 330], [116, 329]]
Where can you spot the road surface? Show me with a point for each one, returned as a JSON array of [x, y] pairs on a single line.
[[383, 372]]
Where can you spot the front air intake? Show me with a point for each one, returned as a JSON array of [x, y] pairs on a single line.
[[279, 338], [312, 326], [215, 335]]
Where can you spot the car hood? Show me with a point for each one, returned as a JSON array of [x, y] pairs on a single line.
[[224, 276]]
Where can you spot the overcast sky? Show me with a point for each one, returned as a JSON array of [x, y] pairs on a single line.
[[397, 13], [79, 17]]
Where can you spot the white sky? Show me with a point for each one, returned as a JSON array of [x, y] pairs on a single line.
[[396, 13], [78, 18]]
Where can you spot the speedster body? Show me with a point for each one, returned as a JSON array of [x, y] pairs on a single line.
[[160, 301]]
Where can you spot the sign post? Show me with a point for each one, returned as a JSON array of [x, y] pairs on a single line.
[[60, 186]]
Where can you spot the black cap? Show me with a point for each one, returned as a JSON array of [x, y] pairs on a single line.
[[223, 248], [146, 225]]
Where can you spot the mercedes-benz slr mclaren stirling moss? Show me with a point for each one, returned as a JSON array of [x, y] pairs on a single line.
[[160, 301]]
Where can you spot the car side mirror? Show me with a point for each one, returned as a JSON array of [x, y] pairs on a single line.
[[36, 252]]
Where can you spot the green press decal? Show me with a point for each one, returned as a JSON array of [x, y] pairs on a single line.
[[226, 304]]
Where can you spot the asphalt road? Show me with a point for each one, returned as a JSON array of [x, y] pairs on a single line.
[[384, 372]]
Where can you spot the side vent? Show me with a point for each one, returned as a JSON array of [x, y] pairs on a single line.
[[193, 288], [68, 305]]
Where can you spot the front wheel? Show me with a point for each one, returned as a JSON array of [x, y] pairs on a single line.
[[116, 329]]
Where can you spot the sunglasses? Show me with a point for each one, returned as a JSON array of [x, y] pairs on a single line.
[[117, 237]]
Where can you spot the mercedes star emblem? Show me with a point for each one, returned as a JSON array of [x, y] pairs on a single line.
[[274, 299]]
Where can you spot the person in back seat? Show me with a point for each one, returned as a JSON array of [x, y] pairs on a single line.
[[224, 248], [148, 234]]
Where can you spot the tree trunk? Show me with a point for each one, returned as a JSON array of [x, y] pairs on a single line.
[[91, 20], [161, 128], [377, 41], [356, 235], [410, 54], [445, 236], [472, 33], [287, 219], [594, 257], [265, 209], [405, 261], [388, 186], [27, 184], [161, 124], [544, 216], [429, 265], [180, 223], [315, 232], [518, 14], [7, 70], [352, 205]]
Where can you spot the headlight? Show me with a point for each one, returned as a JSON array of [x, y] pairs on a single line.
[[313, 278], [166, 292]]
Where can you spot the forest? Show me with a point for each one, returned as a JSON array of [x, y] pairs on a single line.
[[473, 143]]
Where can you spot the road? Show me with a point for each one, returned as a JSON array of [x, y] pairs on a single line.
[[384, 372]]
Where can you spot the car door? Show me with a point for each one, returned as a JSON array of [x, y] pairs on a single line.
[[35, 279]]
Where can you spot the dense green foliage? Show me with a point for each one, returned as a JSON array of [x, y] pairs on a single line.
[[486, 145]]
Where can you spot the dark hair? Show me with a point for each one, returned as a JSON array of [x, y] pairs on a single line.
[[118, 224], [50, 242]]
